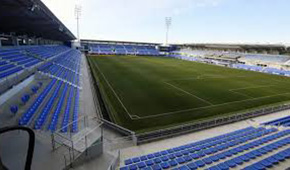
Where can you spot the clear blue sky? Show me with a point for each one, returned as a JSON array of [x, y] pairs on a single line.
[[200, 21]]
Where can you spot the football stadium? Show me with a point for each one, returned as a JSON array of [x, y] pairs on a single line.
[[86, 103]]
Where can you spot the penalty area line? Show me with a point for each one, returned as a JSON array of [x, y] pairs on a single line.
[[180, 89]]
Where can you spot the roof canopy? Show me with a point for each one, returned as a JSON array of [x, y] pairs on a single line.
[[32, 18]]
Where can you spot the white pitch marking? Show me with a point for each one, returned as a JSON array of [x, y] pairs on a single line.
[[186, 110], [241, 94], [188, 93], [254, 87], [113, 91]]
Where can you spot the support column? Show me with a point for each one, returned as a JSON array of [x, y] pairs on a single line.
[[15, 41], [0, 43]]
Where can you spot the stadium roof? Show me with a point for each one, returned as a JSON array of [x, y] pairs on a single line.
[[32, 18], [238, 46], [119, 42]]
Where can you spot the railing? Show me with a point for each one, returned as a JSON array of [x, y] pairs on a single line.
[[191, 127], [76, 144], [115, 162]]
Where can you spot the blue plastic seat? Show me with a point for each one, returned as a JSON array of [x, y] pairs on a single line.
[[259, 166], [194, 156], [133, 167], [149, 162], [187, 158], [180, 160], [171, 156], [192, 166], [164, 158], [231, 163], [199, 163], [157, 154], [172, 163], [157, 160], [178, 154], [156, 167], [150, 156], [223, 166], [14, 109], [207, 160], [213, 168], [141, 164], [266, 163], [165, 165], [238, 161], [279, 157], [124, 168], [272, 160], [184, 168]]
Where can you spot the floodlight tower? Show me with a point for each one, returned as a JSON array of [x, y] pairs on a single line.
[[78, 12], [168, 21]]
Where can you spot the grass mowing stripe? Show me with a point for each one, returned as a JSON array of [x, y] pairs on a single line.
[[199, 108], [139, 83], [108, 83]]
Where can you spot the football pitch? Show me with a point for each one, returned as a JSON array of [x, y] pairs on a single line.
[[150, 93]]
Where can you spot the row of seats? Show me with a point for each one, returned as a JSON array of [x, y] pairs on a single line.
[[26, 117], [192, 159], [13, 60], [75, 112], [273, 160], [238, 66], [256, 153], [201, 148], [26, 97], [247, 67], [285, 121], [20, 59], [46, 52], [63, 73], [70, 60], [66, 115], [49, 106], [266, 58], [109, 49], [66, 67], [262, 69], [262, 58]]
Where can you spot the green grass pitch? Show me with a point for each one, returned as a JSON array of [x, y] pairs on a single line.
[[150, 93]]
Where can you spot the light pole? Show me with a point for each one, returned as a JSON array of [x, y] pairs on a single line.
[[78, 11], [167, 24]]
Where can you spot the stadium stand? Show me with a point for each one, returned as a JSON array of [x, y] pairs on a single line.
[[110, 49], [265, 58], [60, 70], [238, 147], [66, 67], [120, 50], [285, 121], [46, 85], [234, 60]]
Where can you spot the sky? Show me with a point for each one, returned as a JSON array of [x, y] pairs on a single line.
[[193, 21]]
